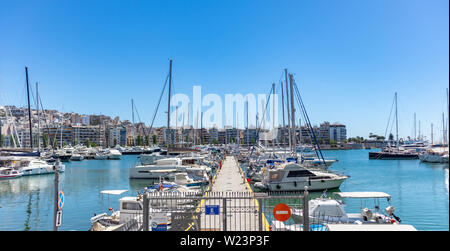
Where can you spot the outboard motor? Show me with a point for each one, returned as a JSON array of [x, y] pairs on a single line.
[[366, 214], [390, 212]]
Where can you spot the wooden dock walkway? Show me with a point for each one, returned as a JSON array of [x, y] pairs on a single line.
[[237, 211]]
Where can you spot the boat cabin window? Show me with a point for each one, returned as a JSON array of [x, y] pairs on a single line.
[[131, 206], [300, 173], [188, 162]]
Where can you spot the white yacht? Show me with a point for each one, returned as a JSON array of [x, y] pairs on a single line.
[[9, 173], [151, 158], [435, 155], [114, 154], [167, 166], [101, 156], [294, 177], [30, 165], [131, 208], [326, 210], [76, 157]]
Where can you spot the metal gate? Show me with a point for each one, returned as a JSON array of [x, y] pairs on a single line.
[[223, 211]]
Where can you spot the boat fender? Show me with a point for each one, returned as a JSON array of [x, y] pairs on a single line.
[[295, 183], [309, 181]]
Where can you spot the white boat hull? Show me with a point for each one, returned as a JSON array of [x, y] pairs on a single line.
[[433, 158], [313, 185]]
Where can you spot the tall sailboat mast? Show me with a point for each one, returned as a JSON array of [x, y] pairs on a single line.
[[39, 120], [132, 121], [294, 145], [29, 109], [396, 119], [168, 107], [431, 133], [61, 139], [444, 133], [288, 110], [273, 118]]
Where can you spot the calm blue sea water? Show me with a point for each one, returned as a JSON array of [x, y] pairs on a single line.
[[419, 191]]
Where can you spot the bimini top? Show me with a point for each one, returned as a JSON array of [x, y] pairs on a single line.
[[113, 192], [363, 195]]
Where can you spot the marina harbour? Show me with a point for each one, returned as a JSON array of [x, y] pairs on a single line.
[[243, 118], [420, 191]]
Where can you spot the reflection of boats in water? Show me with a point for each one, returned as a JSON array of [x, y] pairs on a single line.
[[446, 179]]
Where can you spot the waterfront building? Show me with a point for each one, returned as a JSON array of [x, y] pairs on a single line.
[[222, 136], [338, 132], [232, 135], [81, 134], [117, 136], [213, 135], [249, 136]]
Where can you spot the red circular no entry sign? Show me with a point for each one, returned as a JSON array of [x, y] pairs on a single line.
[[282, 212]]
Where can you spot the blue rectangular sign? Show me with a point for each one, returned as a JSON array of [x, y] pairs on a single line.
[[212, 209]]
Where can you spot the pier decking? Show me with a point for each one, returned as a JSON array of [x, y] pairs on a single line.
[[237, 211]]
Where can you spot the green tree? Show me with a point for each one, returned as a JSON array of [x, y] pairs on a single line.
[[333, 143], [55, 143], [87, 143], [45, 140], [155, 141], [2, 140], [147, 140], [215, 141], [391, 137], [115, 142], [139, 140], [381, 138]]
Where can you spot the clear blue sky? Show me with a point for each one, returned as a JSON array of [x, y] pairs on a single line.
[[349, 57]]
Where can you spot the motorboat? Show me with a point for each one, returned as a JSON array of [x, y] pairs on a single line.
[[169, 165], [37, 166], [76, 157], [330, 211], [184, 179], [435, 155], [312, 161], [131, 207], [9, 173], [114, 154], [294, 177], [101, 156], [151, 158], [31, 165]]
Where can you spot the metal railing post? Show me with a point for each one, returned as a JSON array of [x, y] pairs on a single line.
[[260, 215], [145, 213], [224, 214], [305, 210]]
